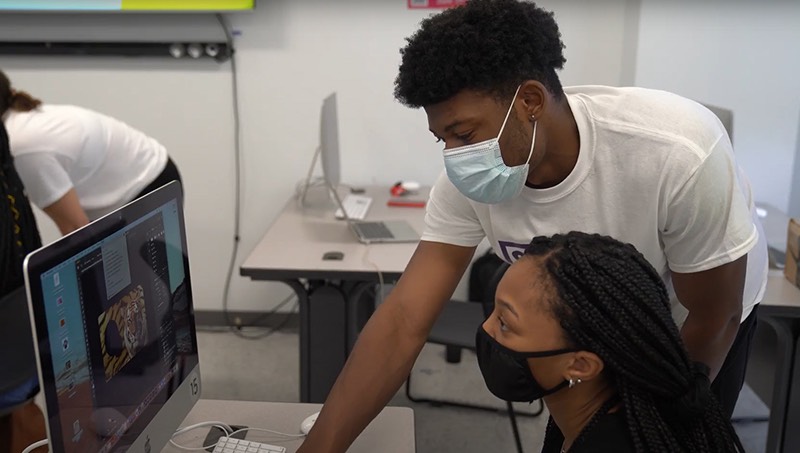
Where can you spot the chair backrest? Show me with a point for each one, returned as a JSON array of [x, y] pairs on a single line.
[[488, 297], [17, 355]]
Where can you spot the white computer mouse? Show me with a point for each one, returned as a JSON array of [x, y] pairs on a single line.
[[308, 423]]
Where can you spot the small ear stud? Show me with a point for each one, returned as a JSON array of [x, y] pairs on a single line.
[[574, 382]]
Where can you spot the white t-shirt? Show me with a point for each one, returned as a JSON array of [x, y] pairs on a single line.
[[60, 147], [654, 170]]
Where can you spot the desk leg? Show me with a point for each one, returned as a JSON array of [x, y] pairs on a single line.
[[323, 331], [780, 406], [355, 308], [791, 441], [305, 362], [329, 325]]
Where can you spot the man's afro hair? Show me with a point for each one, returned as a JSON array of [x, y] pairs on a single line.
[[488, 46]]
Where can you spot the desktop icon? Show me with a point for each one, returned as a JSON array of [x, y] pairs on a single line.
[[76, 431], [59, 301], [65, 344], [56, 279]]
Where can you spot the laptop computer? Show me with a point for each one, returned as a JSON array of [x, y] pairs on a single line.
[[369, 231], [116, 347], [377, 231]]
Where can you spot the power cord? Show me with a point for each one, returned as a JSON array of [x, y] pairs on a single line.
[[237, 157], [381, 286], [235, 324], [35, 445], [268, 431], [222, 426], [258, 336], [229, 432]]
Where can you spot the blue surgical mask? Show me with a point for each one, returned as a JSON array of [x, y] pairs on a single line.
[[478, 170]]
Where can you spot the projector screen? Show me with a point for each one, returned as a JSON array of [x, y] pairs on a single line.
[[125, 5]]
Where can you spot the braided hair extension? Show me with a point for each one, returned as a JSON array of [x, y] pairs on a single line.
[[19, 234], [612, 302]]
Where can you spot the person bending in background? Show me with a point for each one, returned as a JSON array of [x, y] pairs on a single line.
[[77, 164], [583, 321], [525, 157]]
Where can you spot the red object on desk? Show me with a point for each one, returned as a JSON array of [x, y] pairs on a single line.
[[404, 203]]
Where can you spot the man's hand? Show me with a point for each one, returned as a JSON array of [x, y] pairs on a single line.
[[714, 301]]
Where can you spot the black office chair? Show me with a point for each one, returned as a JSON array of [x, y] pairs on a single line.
[[16, 348], [455, 328]]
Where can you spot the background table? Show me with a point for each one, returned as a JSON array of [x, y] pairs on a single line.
[[774, 367], [331, 293], [392, 431]]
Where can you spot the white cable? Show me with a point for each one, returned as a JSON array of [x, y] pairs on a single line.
[[267, 431], [225, 427], [377, 269], [222, 426], [237, 155], [35, 445], [183, 447]]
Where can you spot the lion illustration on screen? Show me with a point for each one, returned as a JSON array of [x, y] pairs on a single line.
[[123, 331]]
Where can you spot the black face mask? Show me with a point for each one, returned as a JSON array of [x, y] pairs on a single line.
[[506, 372]]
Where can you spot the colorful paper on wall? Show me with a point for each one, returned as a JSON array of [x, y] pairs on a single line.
[[126, 5], [434, 4]]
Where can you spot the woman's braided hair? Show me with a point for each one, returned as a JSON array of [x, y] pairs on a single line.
[[19, 234], [611, 301]]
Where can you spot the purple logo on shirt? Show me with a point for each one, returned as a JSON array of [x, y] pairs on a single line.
[[511, 251]]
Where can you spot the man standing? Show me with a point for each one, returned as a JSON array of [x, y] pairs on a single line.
[[525, 157]]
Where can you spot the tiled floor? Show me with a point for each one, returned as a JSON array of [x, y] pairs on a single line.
[[267, 370]]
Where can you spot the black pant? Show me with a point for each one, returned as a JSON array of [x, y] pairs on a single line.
[[169, 174], [730, 379]]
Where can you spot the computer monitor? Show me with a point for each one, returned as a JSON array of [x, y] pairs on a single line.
[[725, 117], [327, 151], [329, 141], [116, 347]]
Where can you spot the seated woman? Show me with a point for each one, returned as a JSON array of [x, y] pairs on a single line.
[[606, 355]]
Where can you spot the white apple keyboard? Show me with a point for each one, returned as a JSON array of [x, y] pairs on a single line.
[[356, 206], [231, 445]]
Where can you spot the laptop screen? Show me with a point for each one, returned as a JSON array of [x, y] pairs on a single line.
[[113, 312]]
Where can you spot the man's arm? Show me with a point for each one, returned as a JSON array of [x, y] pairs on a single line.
[[714, 301], [388, 346], [67, 213]]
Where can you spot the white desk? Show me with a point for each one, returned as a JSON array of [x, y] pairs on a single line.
[[331, 293], [392, 431]]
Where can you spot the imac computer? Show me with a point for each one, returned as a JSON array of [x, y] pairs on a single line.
[[371, 231], [113, 321]]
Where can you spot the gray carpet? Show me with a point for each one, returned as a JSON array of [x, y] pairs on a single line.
[[267, 370]]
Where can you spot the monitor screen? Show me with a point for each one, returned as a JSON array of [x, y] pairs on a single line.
[[329, 141], [112, 309], [125, 5]]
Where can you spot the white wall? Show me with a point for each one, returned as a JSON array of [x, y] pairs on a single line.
[[290, 55], [742, 55]]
